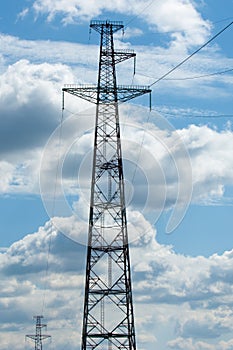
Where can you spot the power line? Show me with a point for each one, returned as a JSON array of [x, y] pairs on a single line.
[[200, 116], [194, 53], [137, 15], [203, 75], [175, 115], [170, 31], [223, 20], [227, 70]]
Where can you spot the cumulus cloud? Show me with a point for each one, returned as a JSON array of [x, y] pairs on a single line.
[[191, 161], [189, 344], [179, 16], [41, 51], [30, 96], [211, 163], [154, 159], [157, 60], [30, 109], [34, 113], [44, 272], [30, 103]]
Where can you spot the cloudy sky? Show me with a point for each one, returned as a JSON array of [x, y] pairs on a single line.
[[177, 158]]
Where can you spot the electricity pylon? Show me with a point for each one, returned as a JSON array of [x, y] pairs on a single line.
[[38, 337], [108, 319]]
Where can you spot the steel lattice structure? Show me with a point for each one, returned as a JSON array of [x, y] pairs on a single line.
[[108, 319], [38, 337]]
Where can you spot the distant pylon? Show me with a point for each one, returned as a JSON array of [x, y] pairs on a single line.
[[108, 319], [38, 337]]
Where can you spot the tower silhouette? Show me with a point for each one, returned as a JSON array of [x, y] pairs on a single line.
[[38, 337], [108, 318]]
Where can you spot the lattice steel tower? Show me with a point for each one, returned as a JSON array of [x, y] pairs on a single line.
[[108, 319], [38, 337]]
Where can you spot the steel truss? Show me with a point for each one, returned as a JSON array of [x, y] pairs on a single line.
[[38, 337], [108, 319]]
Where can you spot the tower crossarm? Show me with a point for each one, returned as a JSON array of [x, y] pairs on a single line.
[[36, 336], [122, 55], [128, 92], [103, 26], [107, 93], [86, 92]]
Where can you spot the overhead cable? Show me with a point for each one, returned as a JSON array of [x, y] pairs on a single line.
[[203, 75], [194, 53], [170, 115], [227, 70], [137, 15]]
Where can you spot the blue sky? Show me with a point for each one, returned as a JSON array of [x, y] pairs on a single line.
[[178, 156]]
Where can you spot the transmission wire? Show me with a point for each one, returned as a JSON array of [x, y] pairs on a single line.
[[195, 76], [217, 116], [203, 75], [137, 15], [165, 75], [223, 20], [194, 53]]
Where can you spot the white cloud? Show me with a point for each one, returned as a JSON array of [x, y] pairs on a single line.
[[6, 176], [30, 108], [23, 14], [179, 16], [155, 159], [189, 344], [30, 96], [30, 100], [48, 51], [189, 299], [152, 62], [190, 296], [182, 18], [212, 165]]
